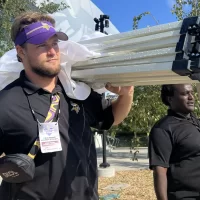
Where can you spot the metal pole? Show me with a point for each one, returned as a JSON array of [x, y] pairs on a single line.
[[104, 164], [154, 18], [101, 24]]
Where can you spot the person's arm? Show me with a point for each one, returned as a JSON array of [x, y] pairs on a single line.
[[160, 149], [122, 105], [160, 182], [102, 113]]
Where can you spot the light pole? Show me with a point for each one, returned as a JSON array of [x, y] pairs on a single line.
[[104, 164], [101, 23]]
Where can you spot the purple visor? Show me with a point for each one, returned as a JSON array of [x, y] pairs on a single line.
[[37, 33]]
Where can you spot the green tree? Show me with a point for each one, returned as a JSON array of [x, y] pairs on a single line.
[[136, 19], [9, 9], [147, 108], [186, 8]]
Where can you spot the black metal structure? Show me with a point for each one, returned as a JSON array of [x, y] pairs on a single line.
[[187, 63], [104, 164], [101, 23]]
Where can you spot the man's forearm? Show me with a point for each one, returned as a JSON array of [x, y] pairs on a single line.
[[121, 107], [160, 185]]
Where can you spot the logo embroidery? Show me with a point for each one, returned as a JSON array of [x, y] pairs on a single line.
[[46, 26], [10, 174], [75, 107]]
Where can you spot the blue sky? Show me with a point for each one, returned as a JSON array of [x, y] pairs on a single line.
[[122, 12]]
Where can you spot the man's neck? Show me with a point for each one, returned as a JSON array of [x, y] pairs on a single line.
[[186, 115], [43, 82]]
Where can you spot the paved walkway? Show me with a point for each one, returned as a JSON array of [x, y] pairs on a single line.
[[121, 159]]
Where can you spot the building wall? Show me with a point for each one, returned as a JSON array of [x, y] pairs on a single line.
[[77, 20]]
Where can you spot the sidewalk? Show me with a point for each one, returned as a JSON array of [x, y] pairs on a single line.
[[120, 159]]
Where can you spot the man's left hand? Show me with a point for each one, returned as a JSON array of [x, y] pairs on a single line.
[[125, 90]]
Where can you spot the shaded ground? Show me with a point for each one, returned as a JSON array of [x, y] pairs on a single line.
[[140, 181]]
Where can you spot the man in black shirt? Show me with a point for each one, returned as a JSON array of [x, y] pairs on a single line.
[[174, 147], [66, 169]]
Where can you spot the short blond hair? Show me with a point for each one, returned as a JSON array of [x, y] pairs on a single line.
[[27, 18]]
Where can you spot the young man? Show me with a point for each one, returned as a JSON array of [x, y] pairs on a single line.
[[174, 147], [67, 168]]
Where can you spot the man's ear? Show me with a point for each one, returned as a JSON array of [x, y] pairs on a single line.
[[20, 52]]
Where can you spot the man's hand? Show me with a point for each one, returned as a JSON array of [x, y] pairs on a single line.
[[122, 105], [126, 90]]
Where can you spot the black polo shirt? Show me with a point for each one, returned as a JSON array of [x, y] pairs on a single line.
[[70, 174], [174, 143]]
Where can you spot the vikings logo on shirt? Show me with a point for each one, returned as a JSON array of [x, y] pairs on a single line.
[[75, 107]]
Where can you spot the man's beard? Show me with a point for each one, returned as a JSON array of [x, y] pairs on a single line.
[[48, 73]]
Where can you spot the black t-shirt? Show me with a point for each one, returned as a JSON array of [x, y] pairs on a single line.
[[70, 174], [174, 143]]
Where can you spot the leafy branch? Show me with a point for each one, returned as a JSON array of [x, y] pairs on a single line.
[[136, 19]]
